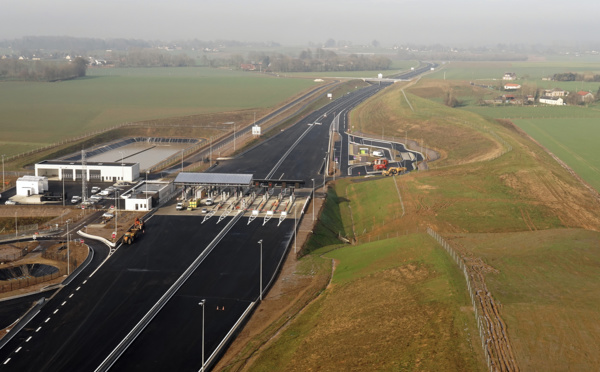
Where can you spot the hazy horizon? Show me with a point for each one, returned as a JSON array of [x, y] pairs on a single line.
[[462, 22]]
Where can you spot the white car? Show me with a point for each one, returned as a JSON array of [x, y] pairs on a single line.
[[10, 202], [179, 206], [96, 189], [378, 153], [105, 192], [209, 201], [75, 199]]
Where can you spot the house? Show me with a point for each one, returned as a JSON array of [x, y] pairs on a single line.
[[554, 92], [530, 98], [585, 97], [511, 86], [509, 76], [556, 101], [248, 67]]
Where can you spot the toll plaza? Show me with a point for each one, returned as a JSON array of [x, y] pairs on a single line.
[[225, 194]]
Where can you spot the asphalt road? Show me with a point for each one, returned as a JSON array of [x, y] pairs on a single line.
[[87, 320]]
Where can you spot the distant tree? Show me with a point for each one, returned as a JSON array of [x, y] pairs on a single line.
[[330, 43], [375, 43], [80, 66]]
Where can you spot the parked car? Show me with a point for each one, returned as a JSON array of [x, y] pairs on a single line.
[[10, 202], [378, 153], [209, 201], [96, 189], [204, 210], [179, 206], [106, 192], [75, 199]]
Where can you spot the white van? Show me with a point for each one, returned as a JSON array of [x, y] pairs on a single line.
[[378, 153]]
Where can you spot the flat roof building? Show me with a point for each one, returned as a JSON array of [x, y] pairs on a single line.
[[94, 171]]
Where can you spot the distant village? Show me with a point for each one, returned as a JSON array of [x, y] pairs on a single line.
[[553, 96]]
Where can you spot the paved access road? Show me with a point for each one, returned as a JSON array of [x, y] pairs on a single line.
[[83, 326]]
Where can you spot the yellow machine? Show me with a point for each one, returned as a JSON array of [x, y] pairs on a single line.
[[393, 171]]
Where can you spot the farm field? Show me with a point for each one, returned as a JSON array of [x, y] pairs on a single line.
[[36, 114], [574, 141], [549, 289]]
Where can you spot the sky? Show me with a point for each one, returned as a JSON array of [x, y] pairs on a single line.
[[459, 22]]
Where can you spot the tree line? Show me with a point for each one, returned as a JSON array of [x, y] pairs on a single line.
[[320, 60], [14, 69], [571, 76], [152, 58]]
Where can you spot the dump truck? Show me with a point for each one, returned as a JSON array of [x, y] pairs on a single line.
[[393, 171], [131, 234], [380, 164]]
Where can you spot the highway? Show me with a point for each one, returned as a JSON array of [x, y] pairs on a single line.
[[140, 310]]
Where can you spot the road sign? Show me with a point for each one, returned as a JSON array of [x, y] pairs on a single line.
[[114, 235]]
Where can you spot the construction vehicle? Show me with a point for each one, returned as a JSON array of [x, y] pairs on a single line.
[[380, 164], [137, 229], [393, 171]]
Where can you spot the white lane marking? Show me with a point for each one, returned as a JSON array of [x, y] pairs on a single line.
[[37, 330], [71, 295], [47, 320], [63, 304], [6, 361], [78, 288], [85, 281], [19, 349], [55, 311], [28, 339]]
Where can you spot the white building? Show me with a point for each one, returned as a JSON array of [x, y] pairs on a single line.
[[31, 185], [557, 101], [511, 86], [145, 195], [95, 171]]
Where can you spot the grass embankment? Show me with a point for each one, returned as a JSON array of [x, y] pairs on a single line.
[[393, 304], [518, 206]]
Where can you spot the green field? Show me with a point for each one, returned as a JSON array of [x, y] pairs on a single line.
[[574, 141], [535, 70], [36, 114], [548, 286]]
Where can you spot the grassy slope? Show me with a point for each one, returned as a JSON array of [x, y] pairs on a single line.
[[396, 304], [34, 114]]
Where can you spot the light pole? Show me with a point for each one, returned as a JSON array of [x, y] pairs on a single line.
[[313, 201], [62, 175], [182, 160], [147, 205], [295, 228], [260, 281], [3, 172], [122, 171], [116, 216], [325, 168], [68, 252], [202, 303]]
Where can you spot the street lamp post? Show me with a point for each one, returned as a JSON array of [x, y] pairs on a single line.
[[260, 281], [62, 175], [68, 252], [147, 205], [313, 201], [122, 171], [202, 303], [295, 228], [3, 172]]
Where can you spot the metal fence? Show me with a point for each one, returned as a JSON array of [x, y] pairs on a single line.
[[492, 330]]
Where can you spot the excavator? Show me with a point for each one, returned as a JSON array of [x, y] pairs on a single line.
[[393, 171]]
